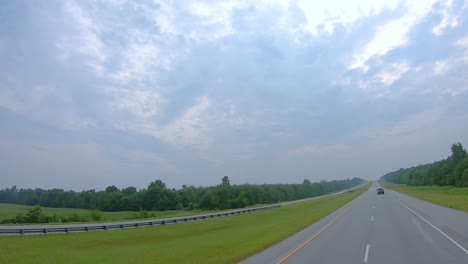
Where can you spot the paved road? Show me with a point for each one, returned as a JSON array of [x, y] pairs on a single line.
[[390, 228]]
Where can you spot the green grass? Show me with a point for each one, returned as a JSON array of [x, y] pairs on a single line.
[[448, 196], [221, 240], [8, 211]]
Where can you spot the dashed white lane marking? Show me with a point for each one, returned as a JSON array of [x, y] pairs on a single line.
[[373, 206], [366, 255], [429, 223], [372, 218]]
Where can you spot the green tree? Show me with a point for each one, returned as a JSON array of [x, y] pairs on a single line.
[[226, 181], [458, 152], [112, 189], [465, 177], [34, 215]]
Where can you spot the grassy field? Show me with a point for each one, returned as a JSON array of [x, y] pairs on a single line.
[[12, 210], [221, 240], [456, 198]]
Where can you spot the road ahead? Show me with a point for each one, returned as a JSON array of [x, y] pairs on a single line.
[[390, 228]]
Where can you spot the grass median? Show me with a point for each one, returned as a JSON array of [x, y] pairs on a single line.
[[221, 240], [448, 196]]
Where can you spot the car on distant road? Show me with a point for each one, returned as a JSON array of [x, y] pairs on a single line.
[[380, 191]]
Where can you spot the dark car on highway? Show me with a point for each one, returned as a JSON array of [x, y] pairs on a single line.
[[380, 191]]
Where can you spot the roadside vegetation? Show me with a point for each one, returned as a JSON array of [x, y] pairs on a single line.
[[25, 214], [448, 196], [157, 198], [452, 171], [443, 182], [220, 240]]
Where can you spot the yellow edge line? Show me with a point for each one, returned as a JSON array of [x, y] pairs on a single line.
[[317, 234]]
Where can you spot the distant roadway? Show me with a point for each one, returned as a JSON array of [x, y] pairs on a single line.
[[389, 228]]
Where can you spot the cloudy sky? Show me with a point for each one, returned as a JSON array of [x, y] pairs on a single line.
[[98, 93]]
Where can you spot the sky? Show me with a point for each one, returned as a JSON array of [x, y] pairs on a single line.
[[99, 93]]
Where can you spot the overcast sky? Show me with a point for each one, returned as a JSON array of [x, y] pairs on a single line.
[[99, 93]]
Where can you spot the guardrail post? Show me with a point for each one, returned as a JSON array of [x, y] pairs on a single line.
[[152, 223], [22, 231], [67, 230], [122, 226], [163, 222], [45, 231], [87, 229], [105, 227]]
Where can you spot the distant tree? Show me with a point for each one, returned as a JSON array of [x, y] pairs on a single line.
[[158, 197], [112, 189], [458, 152], [226, 181], [445, 172], [158, 184], [129, 190]]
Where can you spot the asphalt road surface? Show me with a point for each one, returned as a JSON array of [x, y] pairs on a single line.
[[389, 228]]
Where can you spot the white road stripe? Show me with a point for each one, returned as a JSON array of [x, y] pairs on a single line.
[[372, 218], [373, 206], [366, 255], [429, 223]]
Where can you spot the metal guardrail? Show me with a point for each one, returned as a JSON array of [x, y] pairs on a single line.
[[24, 230], [47, 229]]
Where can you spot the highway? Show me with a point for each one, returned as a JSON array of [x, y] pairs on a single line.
[[389, 228]]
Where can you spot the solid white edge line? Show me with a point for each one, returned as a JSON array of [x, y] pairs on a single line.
[[372, 218], [429, 223], [366, 255]]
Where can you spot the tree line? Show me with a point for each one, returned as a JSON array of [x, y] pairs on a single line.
[[452, 171], [157, 197]]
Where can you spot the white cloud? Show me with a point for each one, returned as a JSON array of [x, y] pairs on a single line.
[[87, 41], [139, 60], [206, 23], [387, 78], [41, 102], [463, 43], [441, 67], [189, 129], [409, 126], [313, 151], [449, 19], [393, 34], [143, 104], [328, 14]]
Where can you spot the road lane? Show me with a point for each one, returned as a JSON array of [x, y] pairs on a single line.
[[377, 229], [401, 237]]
